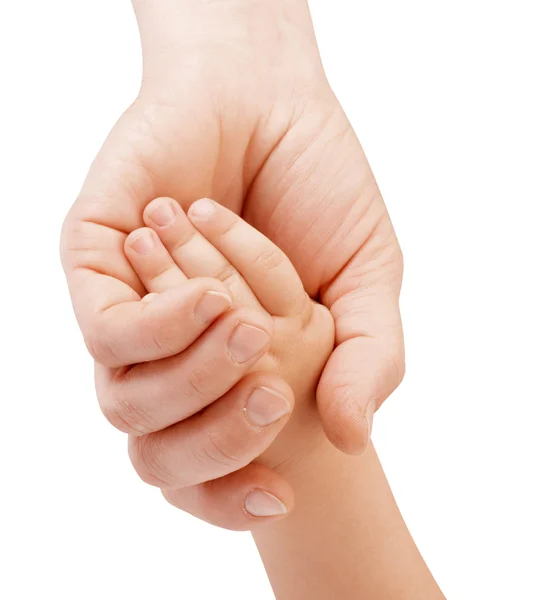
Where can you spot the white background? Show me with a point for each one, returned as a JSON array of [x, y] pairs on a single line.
[[441, 96]]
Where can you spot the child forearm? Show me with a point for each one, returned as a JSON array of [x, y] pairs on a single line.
[[346, 538]]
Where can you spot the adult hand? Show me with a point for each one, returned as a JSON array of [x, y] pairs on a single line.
[[197, 419], [234, 105]]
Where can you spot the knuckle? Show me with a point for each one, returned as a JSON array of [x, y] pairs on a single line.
[[126, 416], [230, 225], [269, 258], [146, 458], [156, 336], [222, 451], [225, 273], [198, 384], [161, 271], [185, 239], [99, 348]]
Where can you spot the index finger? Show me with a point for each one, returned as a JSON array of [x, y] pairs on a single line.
[[118, 327]]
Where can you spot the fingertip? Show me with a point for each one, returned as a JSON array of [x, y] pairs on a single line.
[[346, 430], [211, 305], [260, 504], [236, 501], [202, 210], [344, 420], [271, 499], [266, 406], [157, 326], [270, 381], [161, 212], [140, 241], [359, 376], [202, 299], [149, 298], [255, 318], [212, 284]]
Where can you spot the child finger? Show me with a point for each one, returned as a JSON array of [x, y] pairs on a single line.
[[195, 256], [151, 261], [266, 269]]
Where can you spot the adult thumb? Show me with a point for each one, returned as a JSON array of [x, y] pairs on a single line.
[[368, 362]]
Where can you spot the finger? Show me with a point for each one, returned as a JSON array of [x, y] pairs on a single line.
[[369, 361], [240, 501], [152, 262], [136, 332], [154, 395], [265, 268], [195, 256], [224, 438]]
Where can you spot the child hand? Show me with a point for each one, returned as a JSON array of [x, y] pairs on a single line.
[[214, 242]]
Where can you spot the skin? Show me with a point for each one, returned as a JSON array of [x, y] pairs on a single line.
[[345, 520], [346, 538], [173, 445], [234, 105]]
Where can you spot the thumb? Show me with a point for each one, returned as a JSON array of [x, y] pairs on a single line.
[[368, 363]]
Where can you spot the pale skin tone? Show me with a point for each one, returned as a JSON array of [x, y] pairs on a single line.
[[345, 537], [254, 398], [235, 106]]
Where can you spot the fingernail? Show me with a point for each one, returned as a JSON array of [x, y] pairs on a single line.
[[211, 305], [202, 210], [163, 215], [148, 298], [262, 504], [265, 406], [247, 342], [369, 414], [143, 243]]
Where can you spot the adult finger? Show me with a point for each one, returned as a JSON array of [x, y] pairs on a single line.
[[224, 438], [266, 269], [154, 395], [369, 361], [240, 501], [136, 331]]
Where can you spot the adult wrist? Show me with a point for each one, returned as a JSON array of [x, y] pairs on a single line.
[[182, 22]]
